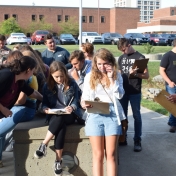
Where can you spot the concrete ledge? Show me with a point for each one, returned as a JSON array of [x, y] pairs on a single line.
[[153, 56], [29, 135]]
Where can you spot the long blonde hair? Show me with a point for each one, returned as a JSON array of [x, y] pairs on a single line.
[[96, 75]]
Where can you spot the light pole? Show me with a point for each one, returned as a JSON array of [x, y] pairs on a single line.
[[80, 24], [98, 17]]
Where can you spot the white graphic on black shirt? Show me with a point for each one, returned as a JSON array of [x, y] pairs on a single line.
[[127, 64]]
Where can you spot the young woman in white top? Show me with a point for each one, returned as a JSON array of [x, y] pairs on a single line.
[[106, 84]]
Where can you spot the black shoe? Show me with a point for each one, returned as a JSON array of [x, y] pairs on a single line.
[[123, 143], [137, 146], [41, 151], [58, 168], [169, 123]]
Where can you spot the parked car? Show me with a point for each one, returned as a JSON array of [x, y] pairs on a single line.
[[91, 37], [56, 39], [38, 37], [169, 38], [136, 38], [29, 41], [67, 39], [111, 38], [156, 39], [17, 38]]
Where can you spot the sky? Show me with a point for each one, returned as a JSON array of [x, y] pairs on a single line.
[[75, 3]]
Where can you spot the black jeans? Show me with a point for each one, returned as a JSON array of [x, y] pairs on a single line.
[[57, 126]]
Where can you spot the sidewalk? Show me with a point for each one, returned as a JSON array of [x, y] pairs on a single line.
[[156, 159]]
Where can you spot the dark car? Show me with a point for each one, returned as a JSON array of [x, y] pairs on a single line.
[[67, 39], [169, 38], [56, 39], [156, 39], [136, 38], [38, 37], [111, 38]]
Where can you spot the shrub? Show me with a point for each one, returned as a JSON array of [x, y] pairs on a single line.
[[148, 48]]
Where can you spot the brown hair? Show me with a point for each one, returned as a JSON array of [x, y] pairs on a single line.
[[17, 46], [78, 54], [88, 47], [58, 66], [2, 37], [174, 42], [14, 55], [96, 75], [47, 37], [122, 42]]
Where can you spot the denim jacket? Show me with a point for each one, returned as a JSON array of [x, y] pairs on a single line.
[[50, 97]]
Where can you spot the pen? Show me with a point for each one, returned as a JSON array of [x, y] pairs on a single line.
[[70, 101]]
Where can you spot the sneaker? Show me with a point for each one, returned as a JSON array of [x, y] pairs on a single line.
[[1, 164], [9, 148], [169, 123], [172, 129], [123, 143], [41, 151], [137, 146], [58, 168]]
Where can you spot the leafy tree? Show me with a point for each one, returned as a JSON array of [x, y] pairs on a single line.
[[8, 26], [38, 25], [71, 26]]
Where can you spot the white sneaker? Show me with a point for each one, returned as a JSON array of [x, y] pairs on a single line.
[[9, 148]]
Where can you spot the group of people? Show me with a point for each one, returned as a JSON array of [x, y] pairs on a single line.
[[61, 80]]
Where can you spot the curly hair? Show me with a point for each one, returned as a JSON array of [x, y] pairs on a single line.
[[96, 75]]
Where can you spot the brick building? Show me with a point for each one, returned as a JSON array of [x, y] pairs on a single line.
[[99, 20], [164, 20]]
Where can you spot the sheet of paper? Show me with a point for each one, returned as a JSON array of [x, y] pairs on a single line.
[[98, 107], [57, 111]]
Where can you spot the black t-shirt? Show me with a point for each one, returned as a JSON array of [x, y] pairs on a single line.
[[125, 62], [168, 61]]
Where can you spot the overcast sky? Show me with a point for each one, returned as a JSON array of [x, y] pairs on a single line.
[[74, 3]]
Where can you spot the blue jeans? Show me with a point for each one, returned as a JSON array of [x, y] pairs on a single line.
[[19, 114], [135, 101], [172, 119]]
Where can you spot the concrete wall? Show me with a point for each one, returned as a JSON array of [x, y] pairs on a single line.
[[28, 136]]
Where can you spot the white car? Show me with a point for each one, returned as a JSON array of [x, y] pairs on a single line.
[[91, 37], [17, 38]]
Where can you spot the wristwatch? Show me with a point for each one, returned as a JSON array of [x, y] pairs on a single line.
[[136, 74]]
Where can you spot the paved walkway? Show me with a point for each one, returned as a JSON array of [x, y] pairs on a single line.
[[156, 159]]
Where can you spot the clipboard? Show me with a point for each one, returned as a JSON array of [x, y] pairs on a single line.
[[141, 65], [98, 107], [161, 98]]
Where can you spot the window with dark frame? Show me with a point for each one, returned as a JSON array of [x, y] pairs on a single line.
[[67, 18], [91, 19], [34, 17], [41, 17], [102, 19], [6, 16], [59, 18], [84, 19], [172, 12], [15, 16]]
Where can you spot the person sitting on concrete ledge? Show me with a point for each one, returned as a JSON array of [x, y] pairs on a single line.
[[12, 82], [60, 92]]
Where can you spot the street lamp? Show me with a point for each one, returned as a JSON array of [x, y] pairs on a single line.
[[80, 24]]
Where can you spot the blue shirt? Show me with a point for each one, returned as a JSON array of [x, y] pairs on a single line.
[[60, 54]]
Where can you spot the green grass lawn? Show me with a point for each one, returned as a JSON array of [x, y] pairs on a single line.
[[112, 48], [153, 67]]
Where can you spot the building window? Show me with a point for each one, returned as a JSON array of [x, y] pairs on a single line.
[[102, 19], [151, 8], [41, 17], [145, 2], [84, 19], [151, 12], [151, 2], [15, 16], [139, 2], [59, 18], [91, 19], [172, 12], [139, 6], [34, 17], [6, 16], [66, 18], [145, 12], [145, 7], [157, 3]]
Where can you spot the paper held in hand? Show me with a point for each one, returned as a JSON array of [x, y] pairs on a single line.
[[98, 107], [57, 111]]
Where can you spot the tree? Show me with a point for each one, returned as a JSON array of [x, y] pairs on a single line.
[[71, 26], [8, 26], [40, 25]]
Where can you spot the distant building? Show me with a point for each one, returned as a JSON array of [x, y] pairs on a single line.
[[164, 20], [99, 20], [146, 7]]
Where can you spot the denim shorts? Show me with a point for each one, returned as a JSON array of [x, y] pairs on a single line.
[[103, 124]]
